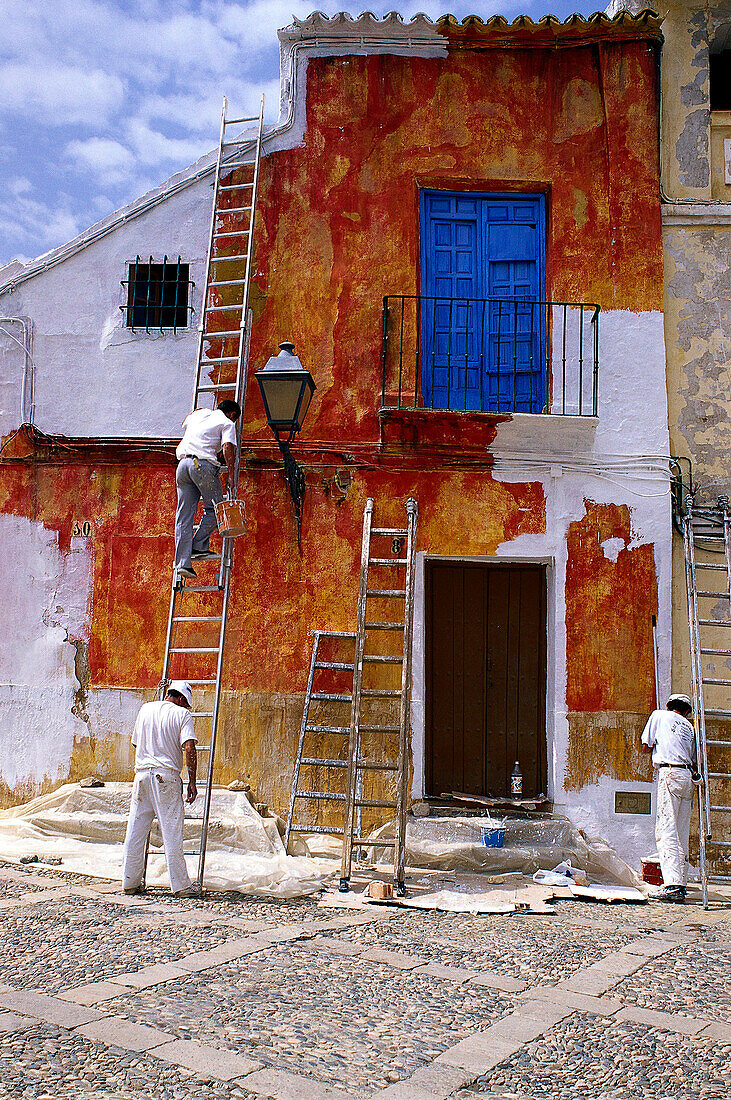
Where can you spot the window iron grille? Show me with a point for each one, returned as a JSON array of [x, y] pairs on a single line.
[[158, 295]]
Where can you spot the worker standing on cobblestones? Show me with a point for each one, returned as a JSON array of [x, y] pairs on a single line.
[[670, 737], [163, 733]]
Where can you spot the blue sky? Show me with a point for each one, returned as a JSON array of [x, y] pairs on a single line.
[[100, 100]]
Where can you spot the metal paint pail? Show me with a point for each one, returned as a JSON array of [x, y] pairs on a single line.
[[231, 518], [651, 872]]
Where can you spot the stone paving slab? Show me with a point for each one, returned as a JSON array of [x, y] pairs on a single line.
[[440, 1080], [11, 1021], [338, 946], [456, 974], [502, 982], [683, 1025], [398, 959], [149, 976], [205, 1060], [580, 1002], [115, 1031], [720, 1033], [224, 953], [93, 993], [40, 1006], [653, 946], [281, 1085]]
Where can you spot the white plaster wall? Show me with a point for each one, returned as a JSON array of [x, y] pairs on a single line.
[[618, 458], [95, 377], [46, 598]]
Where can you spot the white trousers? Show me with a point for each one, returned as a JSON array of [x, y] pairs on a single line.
[[156, 793], [672, 823]]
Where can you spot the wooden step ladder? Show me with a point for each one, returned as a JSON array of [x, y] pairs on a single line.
[[707, 545], [196, 628]]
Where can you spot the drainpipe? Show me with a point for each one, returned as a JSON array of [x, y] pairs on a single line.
[[29, 371]]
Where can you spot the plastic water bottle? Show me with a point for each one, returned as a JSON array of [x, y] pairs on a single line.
[[516, 781]]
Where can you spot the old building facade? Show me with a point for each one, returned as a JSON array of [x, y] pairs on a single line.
[[459, 227]]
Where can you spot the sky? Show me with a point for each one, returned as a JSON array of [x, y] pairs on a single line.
[[101, 100]]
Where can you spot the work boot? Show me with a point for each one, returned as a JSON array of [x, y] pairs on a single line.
[[669, 893], [192, 891], [204, 555], [134, 889], [186, 571]]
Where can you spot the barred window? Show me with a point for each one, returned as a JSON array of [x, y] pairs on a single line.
[[158, 295]]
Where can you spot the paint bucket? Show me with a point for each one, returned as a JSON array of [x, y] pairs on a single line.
[[493, 836], [651, 872], [231, 518]]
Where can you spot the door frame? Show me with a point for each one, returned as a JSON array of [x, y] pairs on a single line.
[[555, 638]]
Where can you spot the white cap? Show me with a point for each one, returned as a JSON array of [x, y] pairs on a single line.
[[678, 697], [183, 688]]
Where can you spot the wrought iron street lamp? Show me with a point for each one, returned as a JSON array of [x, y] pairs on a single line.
[[286, 390]]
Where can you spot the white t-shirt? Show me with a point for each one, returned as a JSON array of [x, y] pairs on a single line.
[[671, 738], [206, 431], [160, 732]]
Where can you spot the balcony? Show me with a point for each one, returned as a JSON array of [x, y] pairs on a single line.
[[490, 355]]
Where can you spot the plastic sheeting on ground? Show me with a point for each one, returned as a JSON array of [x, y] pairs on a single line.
[[530, 844], [85, 827]]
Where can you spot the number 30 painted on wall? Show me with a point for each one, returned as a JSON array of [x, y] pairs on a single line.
[[81, 527]]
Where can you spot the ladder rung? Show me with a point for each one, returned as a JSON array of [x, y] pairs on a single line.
[[224, 333], [204, 588], [218, 359], [237, 121], [327, 729], [376, 803], [217, 386], [333, 830], [717, 652], [235, 186], [197, 618], [201, 714], [342, 666], [715, 680], [387, 593], [371, 692], [196, 649], [708, 538], [718, 595], [381, 729], [365, 842], [313, 761], [335, 633], [718, 844], [332, 697], [714, 622], [203, 748], [221, 308], [228, 282], [709, 565], [221, 211], [378, 660], [720, 809], [235, 233], [322, 796], [375, 765], [200, 681], [387, 561], [397, 532], [385, 626], [719, 744], [719, 775], [719, 878]]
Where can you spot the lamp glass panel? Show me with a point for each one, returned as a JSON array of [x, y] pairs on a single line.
[[308, 390], [282, 396]]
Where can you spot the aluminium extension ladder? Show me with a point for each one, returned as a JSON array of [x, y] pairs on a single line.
[[374, 742], [707, 545], [196, 628]]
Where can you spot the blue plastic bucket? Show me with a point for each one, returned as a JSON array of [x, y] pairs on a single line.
[[493, 837]]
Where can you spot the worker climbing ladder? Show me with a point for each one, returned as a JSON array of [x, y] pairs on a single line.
[[196, 628], [349, 758], [707, 545]]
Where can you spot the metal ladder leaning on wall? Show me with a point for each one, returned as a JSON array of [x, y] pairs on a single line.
[[352, 796], [707, 536], [225, 331]]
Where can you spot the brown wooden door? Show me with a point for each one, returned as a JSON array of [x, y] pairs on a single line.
[[485, 677]]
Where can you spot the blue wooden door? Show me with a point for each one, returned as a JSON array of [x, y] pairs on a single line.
[[482, 316]]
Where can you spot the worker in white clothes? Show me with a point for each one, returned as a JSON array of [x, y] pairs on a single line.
[[207, 433], [162, 736], [670, 737]]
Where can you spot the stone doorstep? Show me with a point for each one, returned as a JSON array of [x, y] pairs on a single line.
[[205, 1060], [115, 1031], [683, 1025], [281, 1085], [503, 982], [11, 1021], [157, 974], [398, 959], [93, 993], [31, 1002]]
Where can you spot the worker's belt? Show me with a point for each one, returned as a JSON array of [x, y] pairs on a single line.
[[687, 767]]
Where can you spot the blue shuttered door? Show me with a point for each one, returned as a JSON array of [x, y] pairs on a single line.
[[483, 329]]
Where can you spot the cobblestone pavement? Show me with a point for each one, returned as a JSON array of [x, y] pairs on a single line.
[[104, 996]]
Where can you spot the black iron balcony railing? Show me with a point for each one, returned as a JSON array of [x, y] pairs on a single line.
[[490, 355]]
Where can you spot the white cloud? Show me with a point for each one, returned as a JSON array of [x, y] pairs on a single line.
[[109, 160], [60, 94], [153, 147]]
